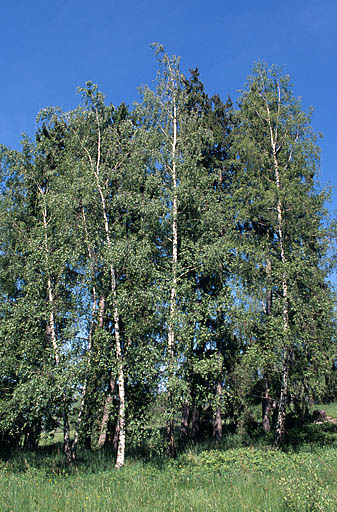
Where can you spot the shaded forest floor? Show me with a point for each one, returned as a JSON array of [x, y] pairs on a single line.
[[242, 474]]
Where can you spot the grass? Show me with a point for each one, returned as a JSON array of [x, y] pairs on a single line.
[[238, 480], [232, 478], [330, 409]]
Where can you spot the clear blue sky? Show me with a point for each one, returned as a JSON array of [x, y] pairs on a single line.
[[50, 48]]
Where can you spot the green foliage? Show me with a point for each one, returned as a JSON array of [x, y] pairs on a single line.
[[180, 247], [230, 480], [284, 243], [307, 494]]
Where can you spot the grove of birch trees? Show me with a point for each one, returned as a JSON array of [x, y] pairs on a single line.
[[164, 268]]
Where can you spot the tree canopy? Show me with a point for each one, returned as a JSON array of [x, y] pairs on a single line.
[[172, 256]]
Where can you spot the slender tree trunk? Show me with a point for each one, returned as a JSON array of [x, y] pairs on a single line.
[[121, 383], [106, 414], [280, 426], [217, 425], [195, 428], [115, 439], [185, 418], [267, 406], [51, 333], [109, 398], [282, 409], [105, 420], [65, 415], [267, 402], [171, 447], [118, 347]]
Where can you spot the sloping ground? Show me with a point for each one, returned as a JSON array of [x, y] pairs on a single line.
[[234, 480]]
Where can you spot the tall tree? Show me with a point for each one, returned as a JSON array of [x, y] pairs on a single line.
[[45, 276], [114, 203], [192, 134], [281, 214]]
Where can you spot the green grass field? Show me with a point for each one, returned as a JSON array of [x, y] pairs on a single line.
[[232, 478], [330, 409]]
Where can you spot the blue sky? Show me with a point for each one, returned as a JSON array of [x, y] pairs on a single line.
[[50, 48]]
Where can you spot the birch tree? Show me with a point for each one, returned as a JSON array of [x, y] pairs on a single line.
[[45, 278], [278, 159], [190, 159], [110, 186]]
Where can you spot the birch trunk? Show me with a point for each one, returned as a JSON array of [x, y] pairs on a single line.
[[51, 332], [171, 332], [217, 426], [267, 406], [106, 415], [280, 426], [118, 347], [109, 398], [121, 392], [267, 402]]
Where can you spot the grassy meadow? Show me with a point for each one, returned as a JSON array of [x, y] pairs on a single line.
[[242, 474]]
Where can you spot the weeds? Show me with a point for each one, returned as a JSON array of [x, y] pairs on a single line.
[[232, 478]]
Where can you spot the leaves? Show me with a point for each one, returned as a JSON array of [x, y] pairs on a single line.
[[194, 232]]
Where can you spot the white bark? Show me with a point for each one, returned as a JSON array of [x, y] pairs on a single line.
[[51, 330], [171, 331], [280, 427], [120, 372]]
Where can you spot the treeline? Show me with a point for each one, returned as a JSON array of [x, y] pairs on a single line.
[[171, 257]]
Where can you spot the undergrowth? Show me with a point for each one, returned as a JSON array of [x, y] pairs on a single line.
[[240, 474]]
